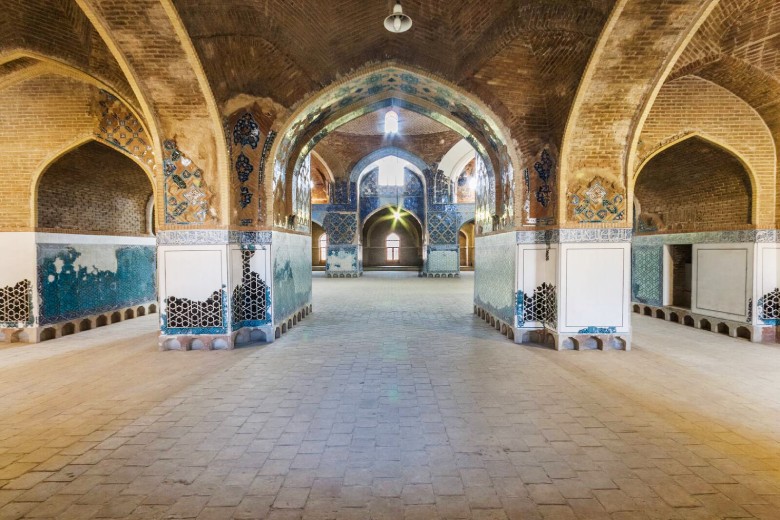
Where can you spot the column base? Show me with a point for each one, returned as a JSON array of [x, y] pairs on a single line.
[[587, 341]]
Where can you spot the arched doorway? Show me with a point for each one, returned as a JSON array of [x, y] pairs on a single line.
[[319, 246], [466, 245], [392, 238]]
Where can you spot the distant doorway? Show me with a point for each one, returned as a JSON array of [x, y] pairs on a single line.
[[392, 238]]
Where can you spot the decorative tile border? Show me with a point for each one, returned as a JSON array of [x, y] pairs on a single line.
[[573, 236], [710, 237], [212, 237]]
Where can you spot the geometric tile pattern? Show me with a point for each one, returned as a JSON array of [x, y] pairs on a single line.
[[340, 227], [186, 194], [647, 275], [251, 300], [442, 261], [769, 307], [442, 228], [16, 303], [118, 126], [541, 307], [183, 313], [598, 201]]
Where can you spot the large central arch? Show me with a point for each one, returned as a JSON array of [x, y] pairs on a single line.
[[374, 88]]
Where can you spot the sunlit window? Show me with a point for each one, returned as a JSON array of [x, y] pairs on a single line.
[[391, 122], [393, 244], [323, 247], [391, 172]]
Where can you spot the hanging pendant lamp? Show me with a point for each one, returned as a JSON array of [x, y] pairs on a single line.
[[398, 22]]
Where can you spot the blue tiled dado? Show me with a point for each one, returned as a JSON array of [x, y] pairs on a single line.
[[494, 280], [84, 279], [292, 273]]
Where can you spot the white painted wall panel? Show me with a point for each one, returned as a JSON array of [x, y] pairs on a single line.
[[193, 274], [721, 279], [595, 287]]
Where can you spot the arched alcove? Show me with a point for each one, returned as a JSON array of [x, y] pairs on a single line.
[[392, 221], [693, 185], [94, 188]]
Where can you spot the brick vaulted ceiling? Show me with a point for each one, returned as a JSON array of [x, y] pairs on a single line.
[[519, 56]]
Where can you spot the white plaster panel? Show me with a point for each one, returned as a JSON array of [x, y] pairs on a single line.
[[17, 258], [595, 286], [770, 269], [192, 273], [721, 275]]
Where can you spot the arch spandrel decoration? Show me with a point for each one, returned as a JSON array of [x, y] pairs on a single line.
[[394, 85]]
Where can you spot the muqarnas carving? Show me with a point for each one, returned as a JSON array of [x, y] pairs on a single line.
[[540, 307], [16, 303], [183, 313], [598, 201], [187, 196], [251, 299]]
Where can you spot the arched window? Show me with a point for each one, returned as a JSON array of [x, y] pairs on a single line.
[[393, 244], [391, 122], [323, 247]]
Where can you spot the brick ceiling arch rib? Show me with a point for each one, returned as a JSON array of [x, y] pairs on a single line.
[[153, 47], [622, 78], [60, 31]]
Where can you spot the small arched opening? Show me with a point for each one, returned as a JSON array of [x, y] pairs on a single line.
[[392, 237]]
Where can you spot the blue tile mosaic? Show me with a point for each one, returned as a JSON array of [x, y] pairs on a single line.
[[443, 227], [85, 279], [291, 256], [343, 259], [494, 280], [647, 274], [598, 330], [341, 228]]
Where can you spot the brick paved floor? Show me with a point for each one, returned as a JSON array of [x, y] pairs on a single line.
[[390, 401]]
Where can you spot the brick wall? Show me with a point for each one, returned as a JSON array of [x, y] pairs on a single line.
[[693, 105], [39, 118], [694, 186], [94, 189]]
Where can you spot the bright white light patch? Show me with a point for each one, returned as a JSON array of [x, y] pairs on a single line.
[[391, 122]]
